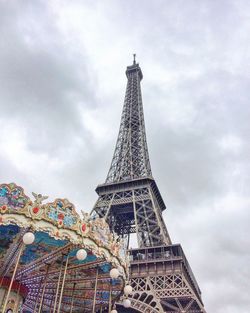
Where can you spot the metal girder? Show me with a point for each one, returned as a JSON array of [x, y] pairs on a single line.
[[131, 159], [169, 293], [134, 210]]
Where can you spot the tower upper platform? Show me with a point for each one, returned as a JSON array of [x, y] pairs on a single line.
[[134, 68]]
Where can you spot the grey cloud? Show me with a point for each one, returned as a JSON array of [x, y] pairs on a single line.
[[195, 60], [42, 83]]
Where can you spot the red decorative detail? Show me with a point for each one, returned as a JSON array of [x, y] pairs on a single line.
[[4, 207], [83, 227], [60, 222], [60, 216], [16, 286], [35, 210]]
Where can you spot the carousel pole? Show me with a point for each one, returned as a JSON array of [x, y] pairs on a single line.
[[114, 274], [12, 278], [44, 286], [16, 305], [96, 281], [28, 238], [2, 279], [72, 298], [58, 285], [110, 295], [63, 282]]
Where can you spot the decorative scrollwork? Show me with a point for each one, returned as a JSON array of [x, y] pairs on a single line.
[[12, 196], [62, 212], [61, 220]]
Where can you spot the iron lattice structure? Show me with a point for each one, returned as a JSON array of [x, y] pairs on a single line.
[[131, 159], [130, 202]]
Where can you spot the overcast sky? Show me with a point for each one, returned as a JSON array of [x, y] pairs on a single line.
[[62, 86]]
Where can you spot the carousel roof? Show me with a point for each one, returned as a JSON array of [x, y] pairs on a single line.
[[49, 274]]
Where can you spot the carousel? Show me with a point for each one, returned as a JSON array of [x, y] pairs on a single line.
[[52, 260]]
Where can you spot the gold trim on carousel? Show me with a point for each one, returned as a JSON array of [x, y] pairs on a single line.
[[93, 234]]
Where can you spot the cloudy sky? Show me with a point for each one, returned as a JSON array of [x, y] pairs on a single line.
[[62, 85]]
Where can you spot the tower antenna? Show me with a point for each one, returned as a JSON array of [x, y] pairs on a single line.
[[134, 55]]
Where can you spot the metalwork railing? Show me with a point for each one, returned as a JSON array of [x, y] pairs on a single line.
[[163, 253]]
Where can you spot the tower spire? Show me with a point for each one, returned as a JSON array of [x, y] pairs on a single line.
[[131, 159]]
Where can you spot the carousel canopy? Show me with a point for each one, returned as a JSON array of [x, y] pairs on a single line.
[[66, 266]]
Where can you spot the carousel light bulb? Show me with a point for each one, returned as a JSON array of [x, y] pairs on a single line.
[[113, 311], [128, 290], [81, 254], [28, 238], [126, 303], [114, 273]]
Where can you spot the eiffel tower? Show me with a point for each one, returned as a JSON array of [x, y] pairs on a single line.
[[131, 202]]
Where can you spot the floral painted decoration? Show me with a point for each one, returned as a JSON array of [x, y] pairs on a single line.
[[62, 212], [12, 196]]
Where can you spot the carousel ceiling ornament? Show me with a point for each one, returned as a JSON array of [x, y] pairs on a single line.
[[52, 260]]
